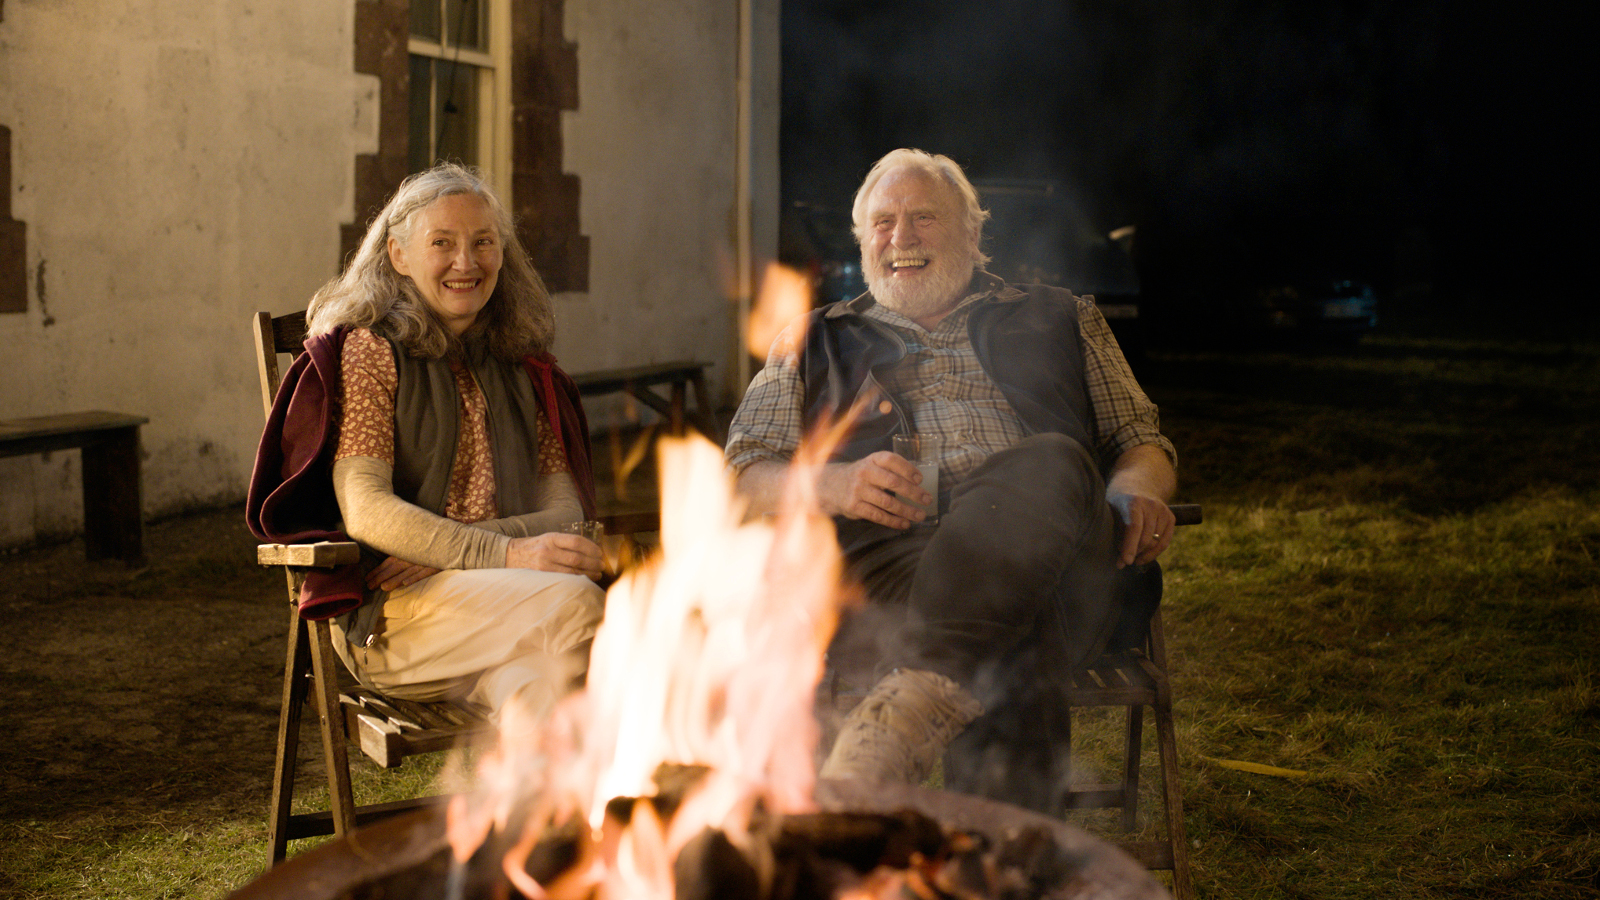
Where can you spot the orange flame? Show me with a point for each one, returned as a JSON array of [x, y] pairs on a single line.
[[709, 656], [785, 295]]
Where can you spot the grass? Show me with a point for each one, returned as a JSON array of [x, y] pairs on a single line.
[[139, 853], [1395, 591], [1431, 675]]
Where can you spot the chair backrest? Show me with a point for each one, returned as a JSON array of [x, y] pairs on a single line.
[[283, 334]]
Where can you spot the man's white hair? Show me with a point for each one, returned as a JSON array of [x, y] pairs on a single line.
[[936, 166]]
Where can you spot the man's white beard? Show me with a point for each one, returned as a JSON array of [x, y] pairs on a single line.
[[941, 287]]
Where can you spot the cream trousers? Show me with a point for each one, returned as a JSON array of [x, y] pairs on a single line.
[[484, 635]]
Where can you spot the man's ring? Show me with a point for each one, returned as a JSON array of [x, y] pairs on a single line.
[[1155, 535]]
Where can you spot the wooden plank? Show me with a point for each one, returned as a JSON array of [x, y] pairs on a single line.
[[1111, 685], [297, 666], [362, 702], [1128, 696], [289, 333], [266, 359], [637, 382], [452, 717], [331, 721], [66, 431], [67, 423], [321, 555], [1095, 796], [317, 824], [609, 380], [404, 714], [438, 741], [380, 740]]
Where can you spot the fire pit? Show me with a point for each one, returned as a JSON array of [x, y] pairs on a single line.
[[409, 857], [685, 768]]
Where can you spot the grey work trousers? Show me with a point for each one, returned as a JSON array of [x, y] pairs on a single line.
[[1013, 584]]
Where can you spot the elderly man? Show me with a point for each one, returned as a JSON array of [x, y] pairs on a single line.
[[1053, 472]]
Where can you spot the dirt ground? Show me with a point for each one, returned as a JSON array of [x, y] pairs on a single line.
[[156, 690], [151, 686]]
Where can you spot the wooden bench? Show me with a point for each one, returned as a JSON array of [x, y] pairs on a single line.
[[113, 515], [637, 382]]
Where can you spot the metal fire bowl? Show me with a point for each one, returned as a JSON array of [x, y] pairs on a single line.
[[414, 846]]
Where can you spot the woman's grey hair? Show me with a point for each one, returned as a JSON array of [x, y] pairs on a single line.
[[517, 320], [936, 166]]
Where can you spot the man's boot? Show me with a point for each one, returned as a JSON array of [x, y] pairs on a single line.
[[901, 728]]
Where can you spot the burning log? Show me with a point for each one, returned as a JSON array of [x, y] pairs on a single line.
[[867, 842]]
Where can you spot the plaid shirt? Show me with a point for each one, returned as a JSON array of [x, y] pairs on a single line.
[[945, 391]]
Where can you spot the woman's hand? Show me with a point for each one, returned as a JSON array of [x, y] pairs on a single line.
[[556, 552], [395, 572]]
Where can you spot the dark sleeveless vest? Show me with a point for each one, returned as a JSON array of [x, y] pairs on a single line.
[[427, 423], [1026, 338]]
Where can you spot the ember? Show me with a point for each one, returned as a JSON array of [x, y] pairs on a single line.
[[862, 836], [805, 856]]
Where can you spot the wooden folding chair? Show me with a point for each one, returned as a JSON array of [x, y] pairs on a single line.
[[1133, 679], [386, 729], [1132, 675]]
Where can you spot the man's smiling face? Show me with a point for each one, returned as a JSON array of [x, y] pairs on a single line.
[[917, 253]]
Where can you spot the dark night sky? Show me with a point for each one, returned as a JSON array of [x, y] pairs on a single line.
[[1409, 143]]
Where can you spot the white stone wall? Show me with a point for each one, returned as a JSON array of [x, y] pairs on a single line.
[[182, 163], [178, 165], [653, 143]]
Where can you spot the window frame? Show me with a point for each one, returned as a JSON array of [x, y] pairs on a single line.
[[491, 71]]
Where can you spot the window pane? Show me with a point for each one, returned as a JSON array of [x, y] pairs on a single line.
[[466, 23], [420, 151], [457, 123], [425, 19]]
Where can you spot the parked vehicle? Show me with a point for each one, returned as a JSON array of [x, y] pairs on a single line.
[[818, 241], [1309, 311], [1037, 233], [1334, 308]]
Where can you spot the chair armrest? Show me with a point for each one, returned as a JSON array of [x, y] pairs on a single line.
[[1186, 513], [321, 555]]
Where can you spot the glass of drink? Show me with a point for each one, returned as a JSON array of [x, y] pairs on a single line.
[[923, 450], [596, 531], [590, 529]]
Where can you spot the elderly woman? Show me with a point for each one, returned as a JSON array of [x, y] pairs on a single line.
[[457, 451]]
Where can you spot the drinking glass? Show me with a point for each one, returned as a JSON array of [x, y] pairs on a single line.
[[923, 450]]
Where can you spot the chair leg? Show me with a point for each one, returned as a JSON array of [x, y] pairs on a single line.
[[708, 415], [330, 715], [1130, 768], [296, 668], [1167, 743], [677, 417]]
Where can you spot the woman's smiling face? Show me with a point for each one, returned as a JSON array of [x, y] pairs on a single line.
[[453, 256]]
